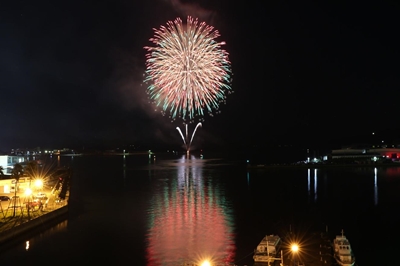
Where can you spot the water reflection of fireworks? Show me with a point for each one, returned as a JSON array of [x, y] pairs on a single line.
[[188, 219]]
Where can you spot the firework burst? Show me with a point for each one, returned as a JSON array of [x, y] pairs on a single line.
[[188, 71]]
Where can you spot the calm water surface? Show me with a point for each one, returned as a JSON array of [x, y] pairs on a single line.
[[172, 210]]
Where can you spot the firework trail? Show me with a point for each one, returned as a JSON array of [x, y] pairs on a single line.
[[194, 132], [187, 145], [183, 138], [188, 72]]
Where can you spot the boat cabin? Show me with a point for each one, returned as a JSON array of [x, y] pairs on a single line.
[[343, 250], [269, 244]]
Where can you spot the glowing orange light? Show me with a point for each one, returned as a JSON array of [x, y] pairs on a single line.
[[206, 263]]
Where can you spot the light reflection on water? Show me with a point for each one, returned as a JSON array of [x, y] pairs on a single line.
[[376, 186], [29, 243], [312, 183], [167, 212], [188, 220]]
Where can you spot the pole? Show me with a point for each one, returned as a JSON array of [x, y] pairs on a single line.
[[29, 206], [29, 203], [15, 195], [267, 250]]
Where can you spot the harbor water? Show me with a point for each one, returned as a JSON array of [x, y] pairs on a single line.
[[172, 209]]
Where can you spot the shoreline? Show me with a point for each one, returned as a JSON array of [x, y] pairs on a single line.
[[13, 235], [372, 165]]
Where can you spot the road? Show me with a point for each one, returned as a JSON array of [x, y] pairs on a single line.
[[48, 203]]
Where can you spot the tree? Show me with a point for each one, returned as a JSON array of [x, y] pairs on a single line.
[[65, 176], [16, 173], [31, 170]]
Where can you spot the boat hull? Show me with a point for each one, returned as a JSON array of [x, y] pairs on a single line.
[[263, 259], [343, 253], [342, 263], [267, 249]]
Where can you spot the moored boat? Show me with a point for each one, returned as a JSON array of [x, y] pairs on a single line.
[[343, 253], [268, 249]]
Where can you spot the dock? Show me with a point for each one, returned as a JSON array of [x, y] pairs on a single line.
[[315, 251]]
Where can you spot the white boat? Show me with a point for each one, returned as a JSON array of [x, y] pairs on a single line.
[[343, 253], [268, 249]]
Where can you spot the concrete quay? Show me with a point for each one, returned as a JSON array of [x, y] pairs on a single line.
[[40, 222], [17, 221]]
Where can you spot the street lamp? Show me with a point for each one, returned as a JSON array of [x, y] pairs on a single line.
[[39, 184], [295, 250]]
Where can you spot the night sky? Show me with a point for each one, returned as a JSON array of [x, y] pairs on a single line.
[[71, 72]]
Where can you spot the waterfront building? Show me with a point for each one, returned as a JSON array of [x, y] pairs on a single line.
[[366, 154], [8, 162]]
